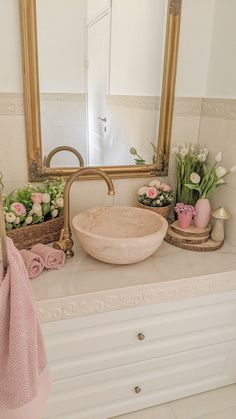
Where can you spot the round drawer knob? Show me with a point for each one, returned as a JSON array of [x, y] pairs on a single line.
[[137, 390], [141, 336]]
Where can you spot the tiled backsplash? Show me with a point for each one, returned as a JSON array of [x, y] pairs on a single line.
[[209, 121], [218, 132]]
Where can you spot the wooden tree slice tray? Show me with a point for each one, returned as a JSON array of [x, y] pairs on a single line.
[[208, 246], [185, 239], [191, 231]]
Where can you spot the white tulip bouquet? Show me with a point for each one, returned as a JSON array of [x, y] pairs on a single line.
[[189, 158], [211, 179]]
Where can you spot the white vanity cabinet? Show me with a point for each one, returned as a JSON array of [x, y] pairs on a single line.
[[112, 363]]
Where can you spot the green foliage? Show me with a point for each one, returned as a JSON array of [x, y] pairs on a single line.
[[162, 200], [33, 204], [189, 159], [208, 183]]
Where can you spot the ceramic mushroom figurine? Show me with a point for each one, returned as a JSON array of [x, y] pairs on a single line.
[[220, 216]]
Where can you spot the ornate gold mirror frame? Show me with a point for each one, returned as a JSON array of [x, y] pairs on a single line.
[[36, 168]]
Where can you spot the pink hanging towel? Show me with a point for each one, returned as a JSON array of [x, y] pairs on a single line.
[[24, 377]]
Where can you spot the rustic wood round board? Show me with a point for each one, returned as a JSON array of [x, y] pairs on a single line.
[[208, 246], [185, 239], [191, 231]]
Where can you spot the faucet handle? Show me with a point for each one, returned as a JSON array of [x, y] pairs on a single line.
[[66, 246], [65, 243]]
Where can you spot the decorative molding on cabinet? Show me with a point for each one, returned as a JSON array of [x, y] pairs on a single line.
[[121, 298], [50, 310], [219, 108], [11, 104]]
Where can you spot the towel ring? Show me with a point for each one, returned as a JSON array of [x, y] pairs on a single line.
[[3, 230]]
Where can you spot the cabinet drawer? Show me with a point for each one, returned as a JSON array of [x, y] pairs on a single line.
[[75, 352], [159, 380]]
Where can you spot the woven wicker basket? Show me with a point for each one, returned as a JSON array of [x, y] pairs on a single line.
[[46, 232], [164, 211]]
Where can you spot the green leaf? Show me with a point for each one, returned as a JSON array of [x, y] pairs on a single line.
[[192, 187], [45, 208], [8, 226]]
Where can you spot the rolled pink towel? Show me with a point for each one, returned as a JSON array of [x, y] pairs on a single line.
[[33, 263], [52, 258]]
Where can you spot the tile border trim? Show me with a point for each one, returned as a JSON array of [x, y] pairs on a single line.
[[219, 108], [12, 104]]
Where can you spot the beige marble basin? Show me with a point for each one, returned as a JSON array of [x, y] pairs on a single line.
[[120, 235]]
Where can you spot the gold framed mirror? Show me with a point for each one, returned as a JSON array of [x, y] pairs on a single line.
[[38, 167]]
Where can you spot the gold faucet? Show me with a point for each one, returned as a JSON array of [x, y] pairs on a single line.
[[65, 242], [48, 158]]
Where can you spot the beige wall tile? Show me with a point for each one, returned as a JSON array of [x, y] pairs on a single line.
[[185, 129], [226, 197], [13, 162], [220, 135]]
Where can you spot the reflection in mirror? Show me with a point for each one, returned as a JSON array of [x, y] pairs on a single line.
[[56, 150], [100, 76]]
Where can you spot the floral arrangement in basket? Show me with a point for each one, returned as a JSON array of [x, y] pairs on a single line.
[[156, 196], [33, 205]]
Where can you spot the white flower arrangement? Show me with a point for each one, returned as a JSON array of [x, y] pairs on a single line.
[[211, 179], [195, 178], [190, 158]]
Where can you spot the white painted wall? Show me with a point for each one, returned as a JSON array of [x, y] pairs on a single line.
[[10, 68], [61, 33], [136, 47], [194, 47], [221, 82], [95, 8], [219, 133]]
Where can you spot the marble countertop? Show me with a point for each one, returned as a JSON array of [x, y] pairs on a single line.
[[86, 286]]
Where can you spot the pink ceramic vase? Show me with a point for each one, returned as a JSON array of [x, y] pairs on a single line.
[[203, 213], [184, 220]]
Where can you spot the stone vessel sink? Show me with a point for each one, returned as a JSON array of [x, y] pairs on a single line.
[[120, 235]]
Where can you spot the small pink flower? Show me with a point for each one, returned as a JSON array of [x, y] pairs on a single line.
[[181, 208], [18, 208], [165, 188], [151, 192], [37, 198]]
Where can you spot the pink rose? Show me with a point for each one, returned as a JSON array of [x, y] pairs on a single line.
[[18, 208], [37, 198], [165, 188], [151, 192]]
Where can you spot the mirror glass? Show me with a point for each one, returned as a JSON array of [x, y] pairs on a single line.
[[100, 75]]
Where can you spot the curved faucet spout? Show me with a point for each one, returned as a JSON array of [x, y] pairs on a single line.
[[47, 159], [66, 243]]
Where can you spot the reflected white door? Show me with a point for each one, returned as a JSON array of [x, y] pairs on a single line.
[[97, 86]]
